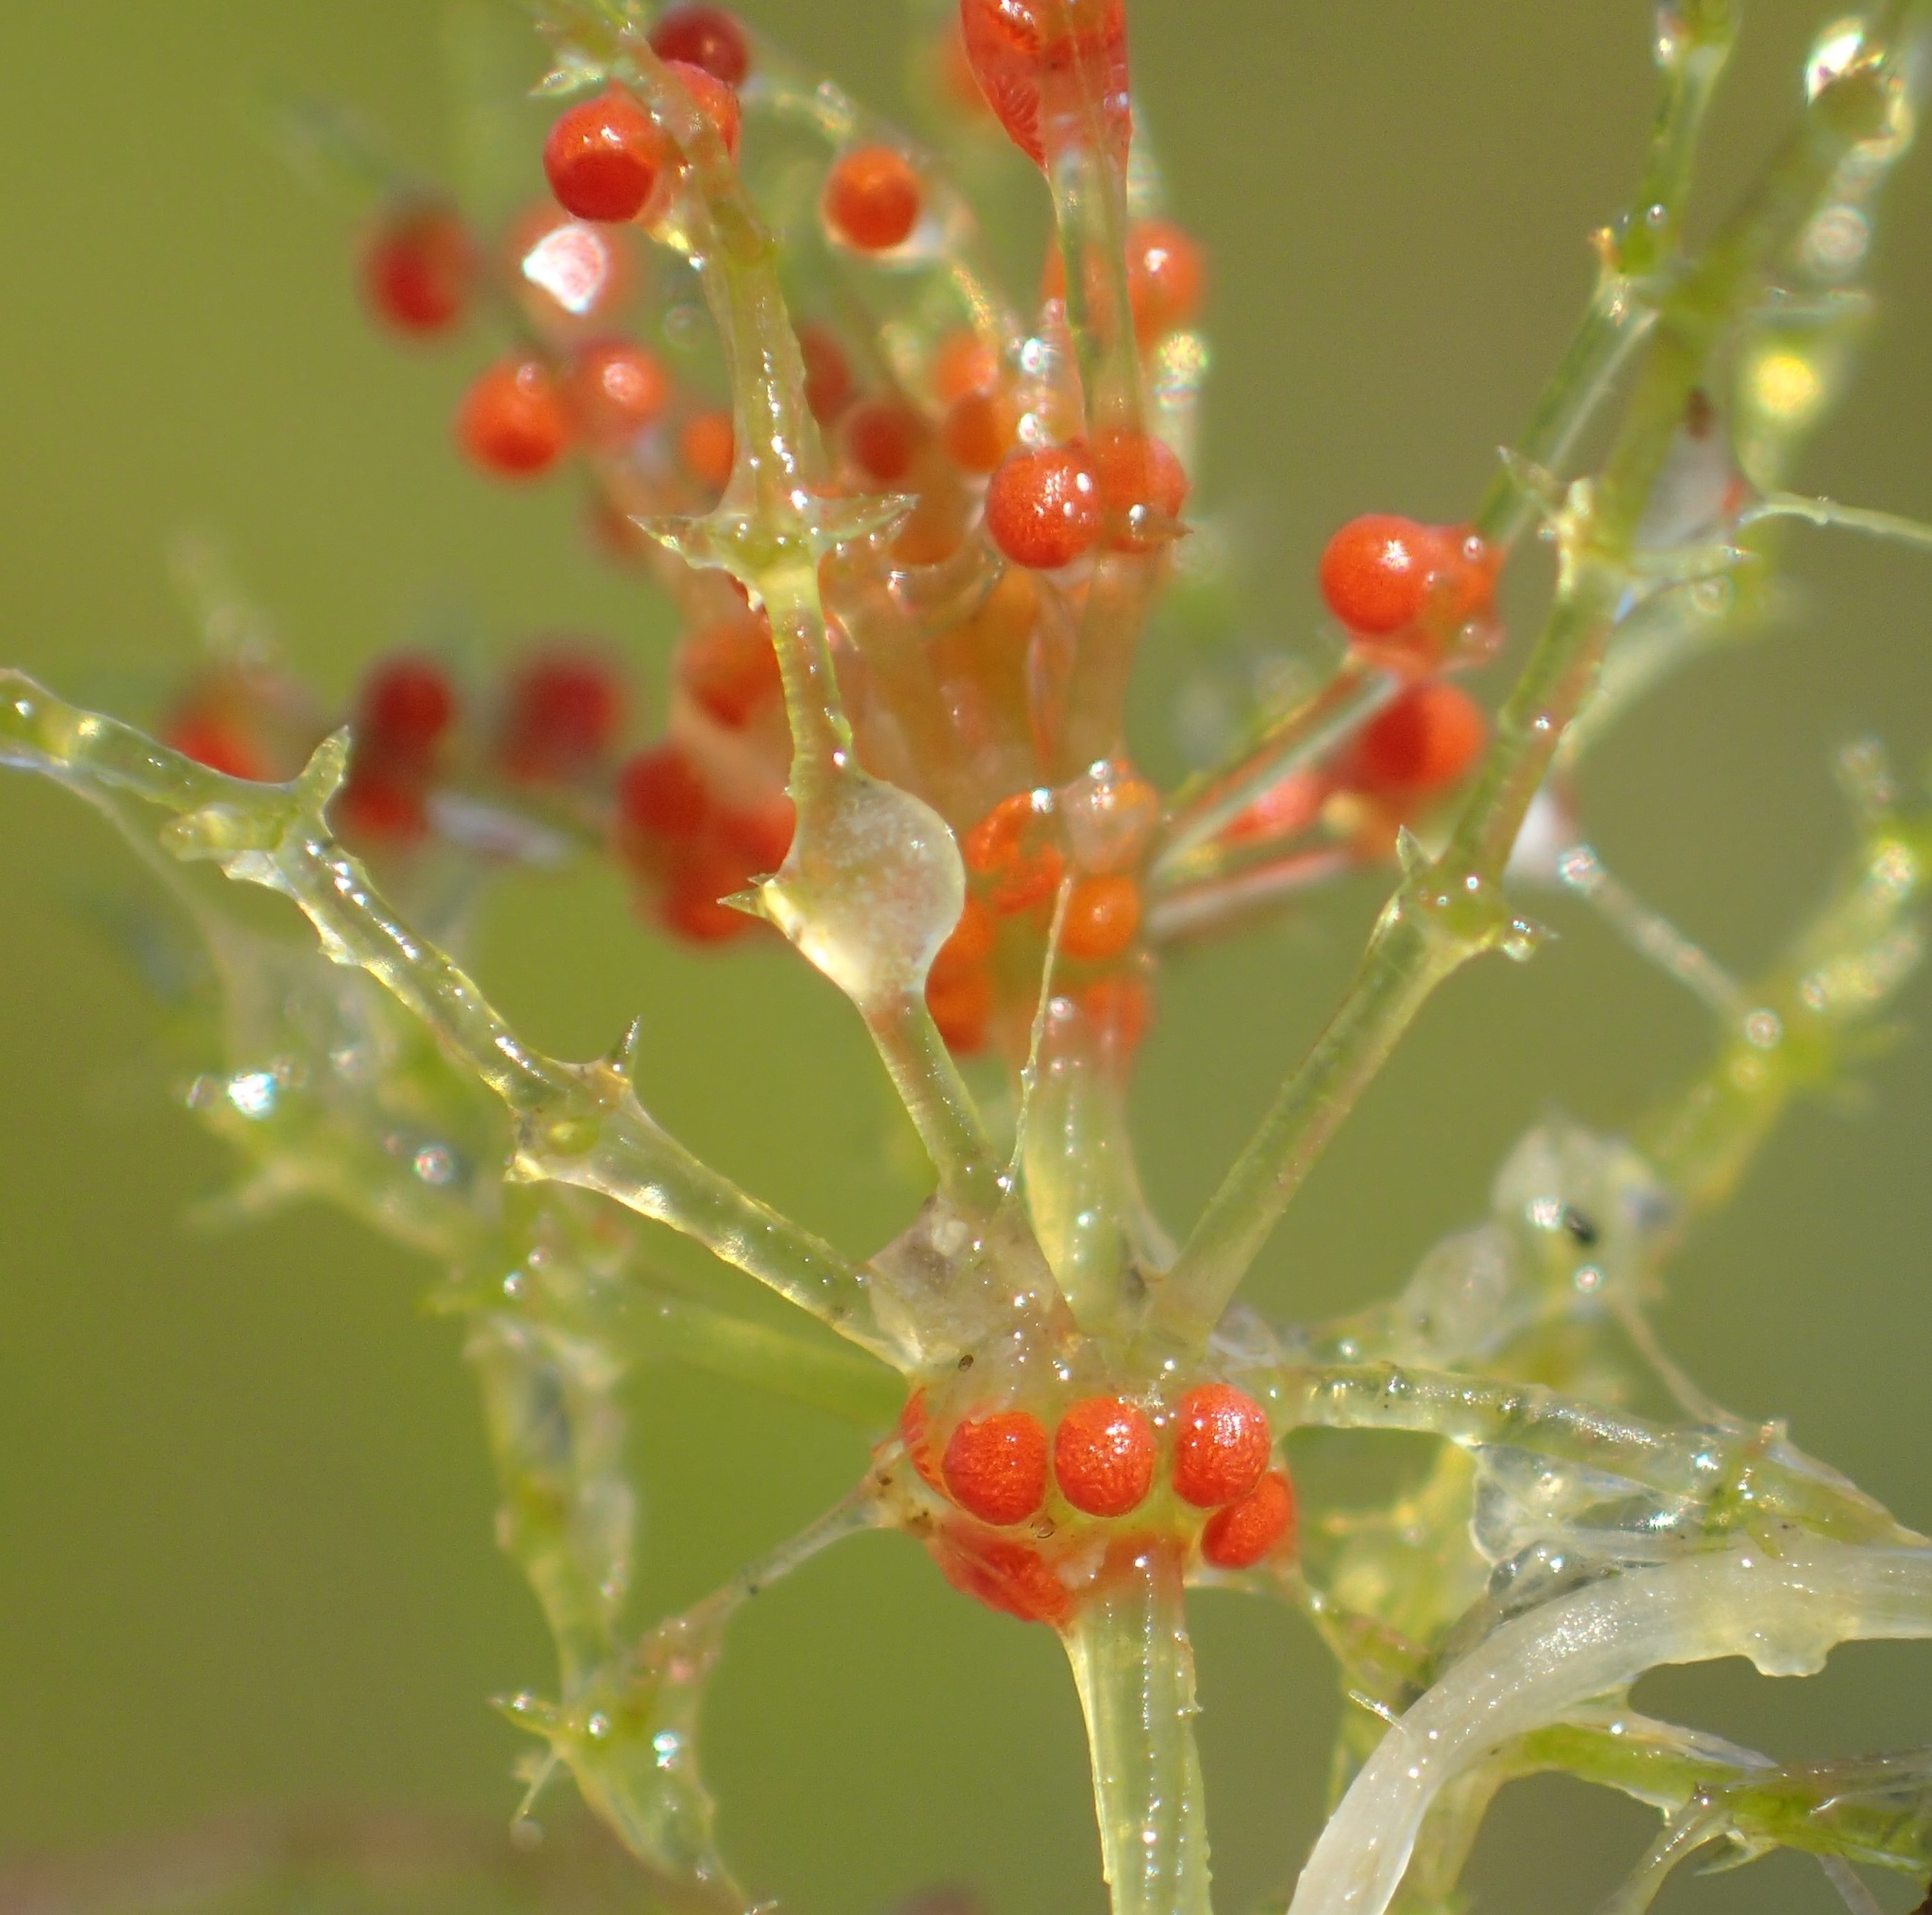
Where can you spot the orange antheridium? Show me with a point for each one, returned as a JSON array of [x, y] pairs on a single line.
[[1035, 1525]]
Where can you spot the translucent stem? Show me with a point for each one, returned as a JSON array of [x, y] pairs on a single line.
[[1408, 957], [1450, 909], [1089, 204], [629, 1734], [1683, 1834], [558, 1438], [1735, 1477], [1785, 1610], [1083, 1191], [1693, 46], [578, 1125], [1652, 935], [1209, 905], [825, 1377], [1298, 739], [1847, 967], [1613, 328], [1872, 1809], [1135, 1670], [858, 842], [1830, 513]]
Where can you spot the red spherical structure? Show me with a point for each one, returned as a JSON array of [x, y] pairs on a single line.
[[883, 437], [1010, 849], [418, 270], [405, 706], [561, 715], [512, 422], [1166, 276], [1102, 1455], [1421, 741], [1043, 509], [1221, 1445], [1103, 917], [661, 796], [730, 668], [1238, 1535], [714, 99], [995, 1466], [1376, 573], [872, 198], [614, 389], [705, 37], [604, 158], [1143, 488]]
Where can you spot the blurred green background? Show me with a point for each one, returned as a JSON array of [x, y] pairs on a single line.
[[245, 1547]]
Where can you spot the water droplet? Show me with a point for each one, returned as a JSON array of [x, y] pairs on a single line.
[[1837, 48], [433, 1164], [253, 1093], [598, 1727], [685, 327], [1713, 598], [1110, 813], [1836, 243]]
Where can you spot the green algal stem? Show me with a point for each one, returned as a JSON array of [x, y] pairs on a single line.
[[1736, 1478], [767, 531], [581, 1288], [575, 1124], [629, 1734], [1873, 1809], [1651, 935], [1829, 514], [1693, 41], [1134, 1666], [1802, 1022], [1118, 595], [1684, 1831], [831, 1377], [1418, 941], [1090, 205], [1694, 46], [605, 1140], [1450, 909], [771, 531], [936, 1097], [1791, 364], [558, 1440], [1083, 1193]]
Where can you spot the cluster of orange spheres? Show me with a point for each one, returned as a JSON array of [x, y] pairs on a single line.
[[1102, 1458]]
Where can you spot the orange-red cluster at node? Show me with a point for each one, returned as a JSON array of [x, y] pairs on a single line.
[[1000, 1467]]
